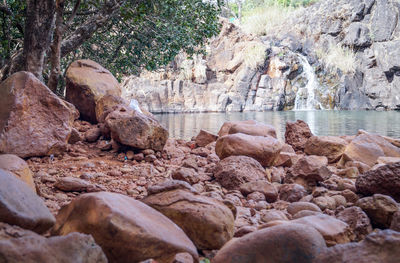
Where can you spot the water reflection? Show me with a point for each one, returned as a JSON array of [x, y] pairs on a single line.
[[187, 125]]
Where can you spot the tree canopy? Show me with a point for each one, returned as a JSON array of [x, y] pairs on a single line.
[[125, 36]]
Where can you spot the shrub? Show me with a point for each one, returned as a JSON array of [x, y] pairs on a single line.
[[254, 55], [338, 57]]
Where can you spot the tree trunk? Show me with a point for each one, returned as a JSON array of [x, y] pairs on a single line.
[[56, 47], [38, 30]]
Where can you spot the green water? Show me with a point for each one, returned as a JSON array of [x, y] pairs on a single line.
[[187, 125]]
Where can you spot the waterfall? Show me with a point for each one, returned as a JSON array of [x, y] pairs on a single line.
[[305, 97]]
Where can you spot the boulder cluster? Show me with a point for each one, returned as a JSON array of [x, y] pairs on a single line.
[[111, 186]]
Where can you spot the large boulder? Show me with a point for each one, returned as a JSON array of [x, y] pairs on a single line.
[[127, 230], [234, 171], [33, 120], [382, 180], [263, 149], [255, 129], [278, 244], [88, 82], [19, 245], [20, 206], [18, 167], [297, 133], [224, 130], [207, 222], [382, 246], [331, 147], [132, 128]]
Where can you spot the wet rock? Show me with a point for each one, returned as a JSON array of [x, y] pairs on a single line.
[[87, 83], [267, 189], [135, 129], [19, 245], [292, 192], [357, 220], [263, 149], [254, 129], [204, 138], [72, 184], [331, 147], [379, 208], [34, 121], [18, 167], [278, 244], [20, 206], [296, 207], [383, 180], [233, 171], [297, 133], [381, 246], [142, 232], [186, 174], [207, 222]]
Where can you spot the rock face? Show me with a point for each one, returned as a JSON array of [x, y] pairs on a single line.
[[20, 206], [132, 128], [381, 246], [88, 82], [263, 149], [234, 171], [33, 120], [296, 134], [330, 146], [208, 222], [127, 230], [18, 245], [278, 244], [17, 167], [383, 180]]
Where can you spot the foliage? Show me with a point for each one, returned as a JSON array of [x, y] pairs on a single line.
[[254, 55], [338, 57]]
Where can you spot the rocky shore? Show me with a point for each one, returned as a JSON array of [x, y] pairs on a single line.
[[110, 186]]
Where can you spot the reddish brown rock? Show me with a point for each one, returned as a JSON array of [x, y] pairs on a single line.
[[71, 184], [107, 104], [286, 159], [209, 223], [20, 206], [204, 138], [17, 167], [357, 220], [263, 149], [383, 180], [92, 134], [186, 174], [233, 171], [266, 188], [75, 137], [297, 133], [272, 215], [127, 230], [254, 129], [135, 129], [296, 207], [381, 246], [292, 192], [331, 147], [395, 225], [227, 125], [19, 245], [278, 244], [33, 120], [87, 83]]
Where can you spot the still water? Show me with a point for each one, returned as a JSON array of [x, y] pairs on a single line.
[[187, 125]]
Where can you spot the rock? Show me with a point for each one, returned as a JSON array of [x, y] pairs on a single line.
[[379, 208], [395, 225], [135, 129], [71, 184], [384, 18], [169, 186], [244, 231], [304, 213], [333, 230], [381, 246], [227, 126], [286, 159], [204, 138], [266, 188], [358, 35], [18, 167], [254, 129], [75, 136], [383, 180], [296, 134], [186, 174], [142, 232], [331, 147], [272, 215], [263, 149], [292, 192], [296, 207], [92, 134], [107, 104], [233, 171], [20, 206], [207, 222], [33, 120], [388, 160], [19, 245], [278, 244], [357, 220], [308, 171], [325, 202], [87, 83]]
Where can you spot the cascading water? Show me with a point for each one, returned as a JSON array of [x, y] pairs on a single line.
[[305, 97]]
